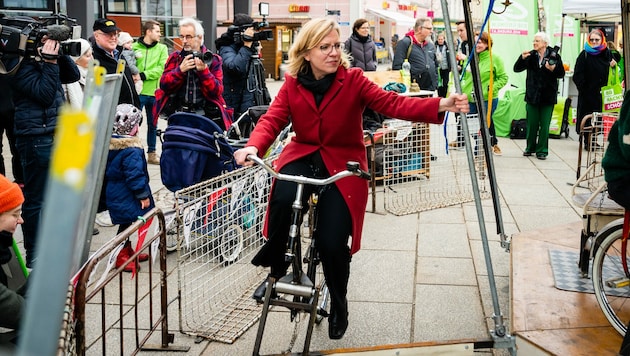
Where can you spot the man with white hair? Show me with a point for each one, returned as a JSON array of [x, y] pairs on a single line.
[[544, 68], [193, 79]]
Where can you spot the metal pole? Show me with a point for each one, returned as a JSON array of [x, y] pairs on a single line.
[[500, 335]]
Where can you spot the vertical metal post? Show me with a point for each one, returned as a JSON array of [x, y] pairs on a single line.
[[501, 337]]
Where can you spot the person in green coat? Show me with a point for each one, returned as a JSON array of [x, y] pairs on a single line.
[[151, 56], [616, 161], [490, 66]]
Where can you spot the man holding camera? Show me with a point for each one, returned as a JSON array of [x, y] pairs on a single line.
[[193, 79], [239, 50], [105, 51], [544, 68], [38, 95]]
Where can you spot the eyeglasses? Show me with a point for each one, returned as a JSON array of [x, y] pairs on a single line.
[[107, 34], [595, 39], [186, 37], [327, 48], [428, 28]]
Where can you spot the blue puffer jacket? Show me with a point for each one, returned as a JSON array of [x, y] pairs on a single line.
[[38, 94], [126, 179]]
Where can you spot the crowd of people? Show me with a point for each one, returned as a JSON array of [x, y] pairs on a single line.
[[220, 86]]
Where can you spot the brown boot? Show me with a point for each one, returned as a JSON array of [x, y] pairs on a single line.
[[153, 158]]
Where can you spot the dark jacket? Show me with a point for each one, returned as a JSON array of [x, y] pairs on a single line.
[[422, 59], [236, 61], [590, 75], [126, 179], [38, 94], [362, 50], [541, 85], [128, 94]]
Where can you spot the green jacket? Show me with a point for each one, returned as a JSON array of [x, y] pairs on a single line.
[[499, 81], [616, 161], [150, 60]]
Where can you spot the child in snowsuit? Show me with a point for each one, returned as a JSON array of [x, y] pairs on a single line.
[[127, 192]]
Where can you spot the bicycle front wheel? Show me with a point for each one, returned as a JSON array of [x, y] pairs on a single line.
[[610, 282]]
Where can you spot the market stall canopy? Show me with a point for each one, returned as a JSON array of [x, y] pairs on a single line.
[[590, 9], [397, 17]]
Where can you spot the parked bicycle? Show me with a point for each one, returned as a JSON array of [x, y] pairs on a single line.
[[611, 275], [300, 291]]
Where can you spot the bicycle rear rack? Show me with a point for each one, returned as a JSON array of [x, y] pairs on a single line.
[[285, 285]]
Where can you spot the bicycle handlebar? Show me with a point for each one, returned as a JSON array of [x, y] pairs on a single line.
[[352, 169]]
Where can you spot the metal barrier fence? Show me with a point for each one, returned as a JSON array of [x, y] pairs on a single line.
[[124, 309], [219, 224], [421, 171]]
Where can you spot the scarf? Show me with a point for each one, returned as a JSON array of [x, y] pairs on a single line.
[[317, 87], [595, 50], [413, 38], [360, 38]]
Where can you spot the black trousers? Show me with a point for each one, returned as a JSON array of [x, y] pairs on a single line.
[[334, 225]]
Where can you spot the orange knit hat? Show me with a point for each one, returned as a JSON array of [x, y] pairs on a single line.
[[10, 194]]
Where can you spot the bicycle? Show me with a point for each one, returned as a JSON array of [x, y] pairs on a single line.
[[304, 287], [610, 274]]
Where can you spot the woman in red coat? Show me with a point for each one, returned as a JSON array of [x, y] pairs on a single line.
[[323, 99]]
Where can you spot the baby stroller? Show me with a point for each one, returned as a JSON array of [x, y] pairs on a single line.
[[194, 149], [238, 133]]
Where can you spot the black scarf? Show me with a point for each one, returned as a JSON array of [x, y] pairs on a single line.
[[360, 38], [317, 87]]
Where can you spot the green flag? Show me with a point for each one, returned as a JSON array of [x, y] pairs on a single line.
[[512, 32]]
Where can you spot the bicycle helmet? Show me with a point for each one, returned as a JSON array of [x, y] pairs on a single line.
[[127, 119]]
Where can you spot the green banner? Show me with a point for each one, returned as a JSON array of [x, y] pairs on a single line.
[[567, 36], [512, 32]]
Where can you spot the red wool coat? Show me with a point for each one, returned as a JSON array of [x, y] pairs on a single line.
[[335, 129]]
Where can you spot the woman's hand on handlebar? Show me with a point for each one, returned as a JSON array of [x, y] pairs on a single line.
[[241, 155]]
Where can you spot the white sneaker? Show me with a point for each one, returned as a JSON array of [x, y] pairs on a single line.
[[103, 219]]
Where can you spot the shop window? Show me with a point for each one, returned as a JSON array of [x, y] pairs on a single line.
[[123, 6]]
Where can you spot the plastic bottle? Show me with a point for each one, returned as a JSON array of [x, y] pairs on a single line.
[[405, 74]]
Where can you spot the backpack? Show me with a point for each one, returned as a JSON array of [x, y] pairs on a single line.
[[519, 129], [194, 149]]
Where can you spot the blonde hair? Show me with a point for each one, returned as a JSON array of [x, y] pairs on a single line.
[[309, 37]]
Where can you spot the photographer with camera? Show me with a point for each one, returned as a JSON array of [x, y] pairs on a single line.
[[38, 94], [544, 68], [193, 79], [244, 77]]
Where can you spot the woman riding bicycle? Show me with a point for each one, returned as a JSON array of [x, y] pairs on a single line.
[[324, 100]]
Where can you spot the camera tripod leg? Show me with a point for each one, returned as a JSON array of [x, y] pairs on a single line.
[[263, 317]]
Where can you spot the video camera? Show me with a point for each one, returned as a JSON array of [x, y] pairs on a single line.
[[21, 36], [552, 56], [260, 34]]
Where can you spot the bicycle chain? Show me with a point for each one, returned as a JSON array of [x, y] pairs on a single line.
[[296, 322]]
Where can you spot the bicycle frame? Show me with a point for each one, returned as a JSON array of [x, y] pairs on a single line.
[[297, 283]]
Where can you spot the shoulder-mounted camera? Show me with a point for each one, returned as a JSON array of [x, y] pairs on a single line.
[[238, 32], [21, 36]]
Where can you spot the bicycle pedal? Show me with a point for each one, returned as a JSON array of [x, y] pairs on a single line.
[[619, 282], [323, 312]]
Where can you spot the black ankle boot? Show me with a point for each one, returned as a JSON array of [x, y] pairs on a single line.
[[338, 322], [259, 293]]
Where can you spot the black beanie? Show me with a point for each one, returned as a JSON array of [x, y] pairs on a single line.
[[242, 19]]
